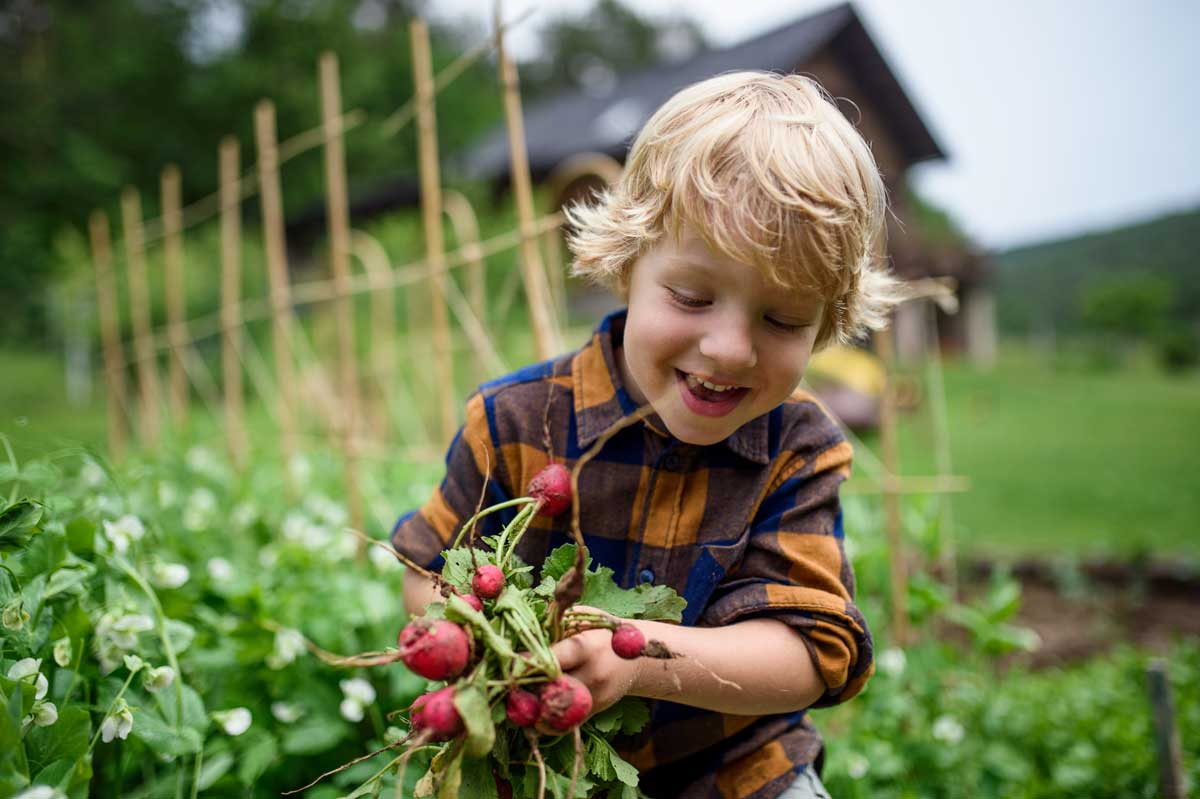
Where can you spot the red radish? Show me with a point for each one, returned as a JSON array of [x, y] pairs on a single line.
[[522, 707], [628, 641], [473, 601], [552, 488], [565, 703], [488, 581], [436, 650], [436, 714]]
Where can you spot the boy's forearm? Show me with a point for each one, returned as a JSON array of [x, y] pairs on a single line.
[[753, 667]]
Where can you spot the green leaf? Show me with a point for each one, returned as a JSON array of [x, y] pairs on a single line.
[[259, 750], [180, 634], [18, 524], [194, 714], [477, 779], [81, 535], [216, 766], [559, 561], [10, 720], [657, 602], [472, 705], [314, 735], [63, 580], [67, 739], [151, 728], [44, 553]]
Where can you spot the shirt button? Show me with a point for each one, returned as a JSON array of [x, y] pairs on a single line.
[[646, 576]]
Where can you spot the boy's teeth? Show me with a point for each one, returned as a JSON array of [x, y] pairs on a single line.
[[694, 381]]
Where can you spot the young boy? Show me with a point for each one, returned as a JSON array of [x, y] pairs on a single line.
[[746, 231]]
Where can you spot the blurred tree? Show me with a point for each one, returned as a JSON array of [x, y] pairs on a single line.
[[1128, 305], [100, 95], [588, 51]]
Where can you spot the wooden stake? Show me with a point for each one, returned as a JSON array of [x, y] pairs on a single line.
[[231, 291], [466, 232], [277, 273], [176, 301], [106, 299], [1171, 779], [891, 496], [338, 214], [948, 556], [431, 215], [139, 305], [541, 313]]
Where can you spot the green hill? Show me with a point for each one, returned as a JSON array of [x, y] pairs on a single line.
[[1043, 282]]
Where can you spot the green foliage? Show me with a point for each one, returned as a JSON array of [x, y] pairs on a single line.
[[1044, 285], [1131, 305], [101, 97]]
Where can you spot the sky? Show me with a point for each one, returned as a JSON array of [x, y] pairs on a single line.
[[1058, 117]]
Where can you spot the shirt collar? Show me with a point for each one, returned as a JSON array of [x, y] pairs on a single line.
[[601, 399]]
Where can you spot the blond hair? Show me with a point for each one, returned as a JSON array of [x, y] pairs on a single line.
[[770, 173]]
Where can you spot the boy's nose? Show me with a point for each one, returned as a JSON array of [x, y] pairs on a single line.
[[729, 344]]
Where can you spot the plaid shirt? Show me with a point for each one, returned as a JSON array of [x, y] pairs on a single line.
[[749, 527]]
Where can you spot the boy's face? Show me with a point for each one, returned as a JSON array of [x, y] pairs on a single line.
[[697, 316]]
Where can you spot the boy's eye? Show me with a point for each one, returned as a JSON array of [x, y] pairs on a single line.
[[786, 327], [685, 300]]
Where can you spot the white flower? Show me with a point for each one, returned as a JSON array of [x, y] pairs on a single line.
[[134, 663], [268, 556], [41, 791], [118, 723], [44, 713], [29, 670], [892, 661], [235, 721], [300, 470], [289, 644], [325, 509], [200, 509], [359, 690], [286, 712], [204, 461], [14, 616], [857, 765], [92, 474], [168, 494], [156, 679], [219, 569], [244, 514], [62, 651], [351, 710], [169, 575], [382, 559], [947, 730], [124, 530], [123, 631], [393, 735]]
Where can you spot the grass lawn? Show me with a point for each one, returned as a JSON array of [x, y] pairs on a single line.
[[1060, 460], [1069, 461]]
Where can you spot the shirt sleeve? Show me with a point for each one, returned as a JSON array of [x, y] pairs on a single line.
[[422, 534], [795, 570]]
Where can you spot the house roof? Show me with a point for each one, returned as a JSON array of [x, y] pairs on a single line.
[[576, 122]]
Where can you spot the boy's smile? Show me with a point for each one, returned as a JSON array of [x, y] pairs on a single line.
[[709, 342]]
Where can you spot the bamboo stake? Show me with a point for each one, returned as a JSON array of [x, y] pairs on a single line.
[[338, 215], [948, 556], [891, 496], [139, 302], [176, 302], [231, 290], [106, 299], [277, 273], [545, 333], [431, 214]]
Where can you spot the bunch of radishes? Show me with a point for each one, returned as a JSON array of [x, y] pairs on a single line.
[[440, 646]]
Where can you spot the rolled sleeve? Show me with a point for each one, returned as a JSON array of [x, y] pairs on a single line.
[[795, 570], [421, 535]]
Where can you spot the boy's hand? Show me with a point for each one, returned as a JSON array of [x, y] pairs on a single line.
[[589, 658]]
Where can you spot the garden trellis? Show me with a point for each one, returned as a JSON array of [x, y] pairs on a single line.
[[353, 410]]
